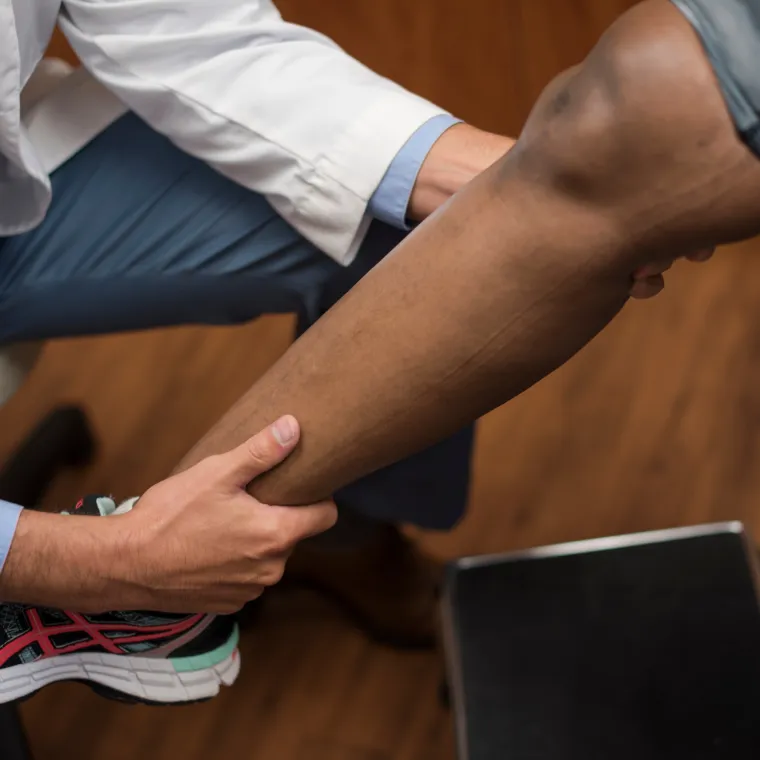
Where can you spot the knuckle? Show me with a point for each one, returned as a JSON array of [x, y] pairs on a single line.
[[324, 517], [273, 573], [275, 536], [279, 544], [265, 544], [259, 450], [255, 592]]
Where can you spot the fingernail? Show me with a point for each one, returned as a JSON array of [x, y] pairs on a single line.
[[284, 430]]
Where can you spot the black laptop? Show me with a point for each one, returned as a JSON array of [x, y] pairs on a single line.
[[642, 647]]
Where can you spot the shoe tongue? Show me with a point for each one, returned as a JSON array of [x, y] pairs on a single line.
[[95, 506], [126, 506], [100, 506]]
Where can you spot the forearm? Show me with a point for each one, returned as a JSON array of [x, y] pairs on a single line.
[[61, 561]]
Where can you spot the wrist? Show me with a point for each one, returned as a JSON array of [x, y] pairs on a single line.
[[66, 562], [458, 156]]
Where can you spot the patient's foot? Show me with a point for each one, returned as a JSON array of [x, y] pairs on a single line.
[[146, 657]]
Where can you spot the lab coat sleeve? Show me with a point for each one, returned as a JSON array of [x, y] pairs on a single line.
[[274, 106]]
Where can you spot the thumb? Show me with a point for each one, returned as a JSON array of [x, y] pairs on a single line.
[[262, 452]]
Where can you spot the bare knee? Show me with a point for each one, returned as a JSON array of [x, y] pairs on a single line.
[[640, 133]]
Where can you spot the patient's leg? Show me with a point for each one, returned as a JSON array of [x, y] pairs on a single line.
[[628, 159]]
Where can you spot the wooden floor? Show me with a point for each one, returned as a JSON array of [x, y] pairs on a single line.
[[656, 424]]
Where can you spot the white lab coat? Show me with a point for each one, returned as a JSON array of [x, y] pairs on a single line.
[[277, 107]]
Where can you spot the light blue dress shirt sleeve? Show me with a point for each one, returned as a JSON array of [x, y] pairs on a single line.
[[390, 201], [9, 514]]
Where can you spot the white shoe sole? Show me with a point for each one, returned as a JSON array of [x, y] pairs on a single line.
[[140, 678]]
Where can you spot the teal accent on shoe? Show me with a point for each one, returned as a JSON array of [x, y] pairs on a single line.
[[106, 506], [208, 660]]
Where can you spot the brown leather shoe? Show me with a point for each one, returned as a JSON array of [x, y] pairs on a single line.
[[388, 587]]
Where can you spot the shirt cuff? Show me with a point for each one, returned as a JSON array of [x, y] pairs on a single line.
[[9, 514], [390, 201]]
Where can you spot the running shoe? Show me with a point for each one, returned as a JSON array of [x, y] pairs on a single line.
[[142, 657]]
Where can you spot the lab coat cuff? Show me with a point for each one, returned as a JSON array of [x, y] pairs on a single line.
[[361, 158], [390, 202]]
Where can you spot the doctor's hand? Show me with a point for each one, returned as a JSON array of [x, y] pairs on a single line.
[[649, 281], [458, 156], [196, 542]]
